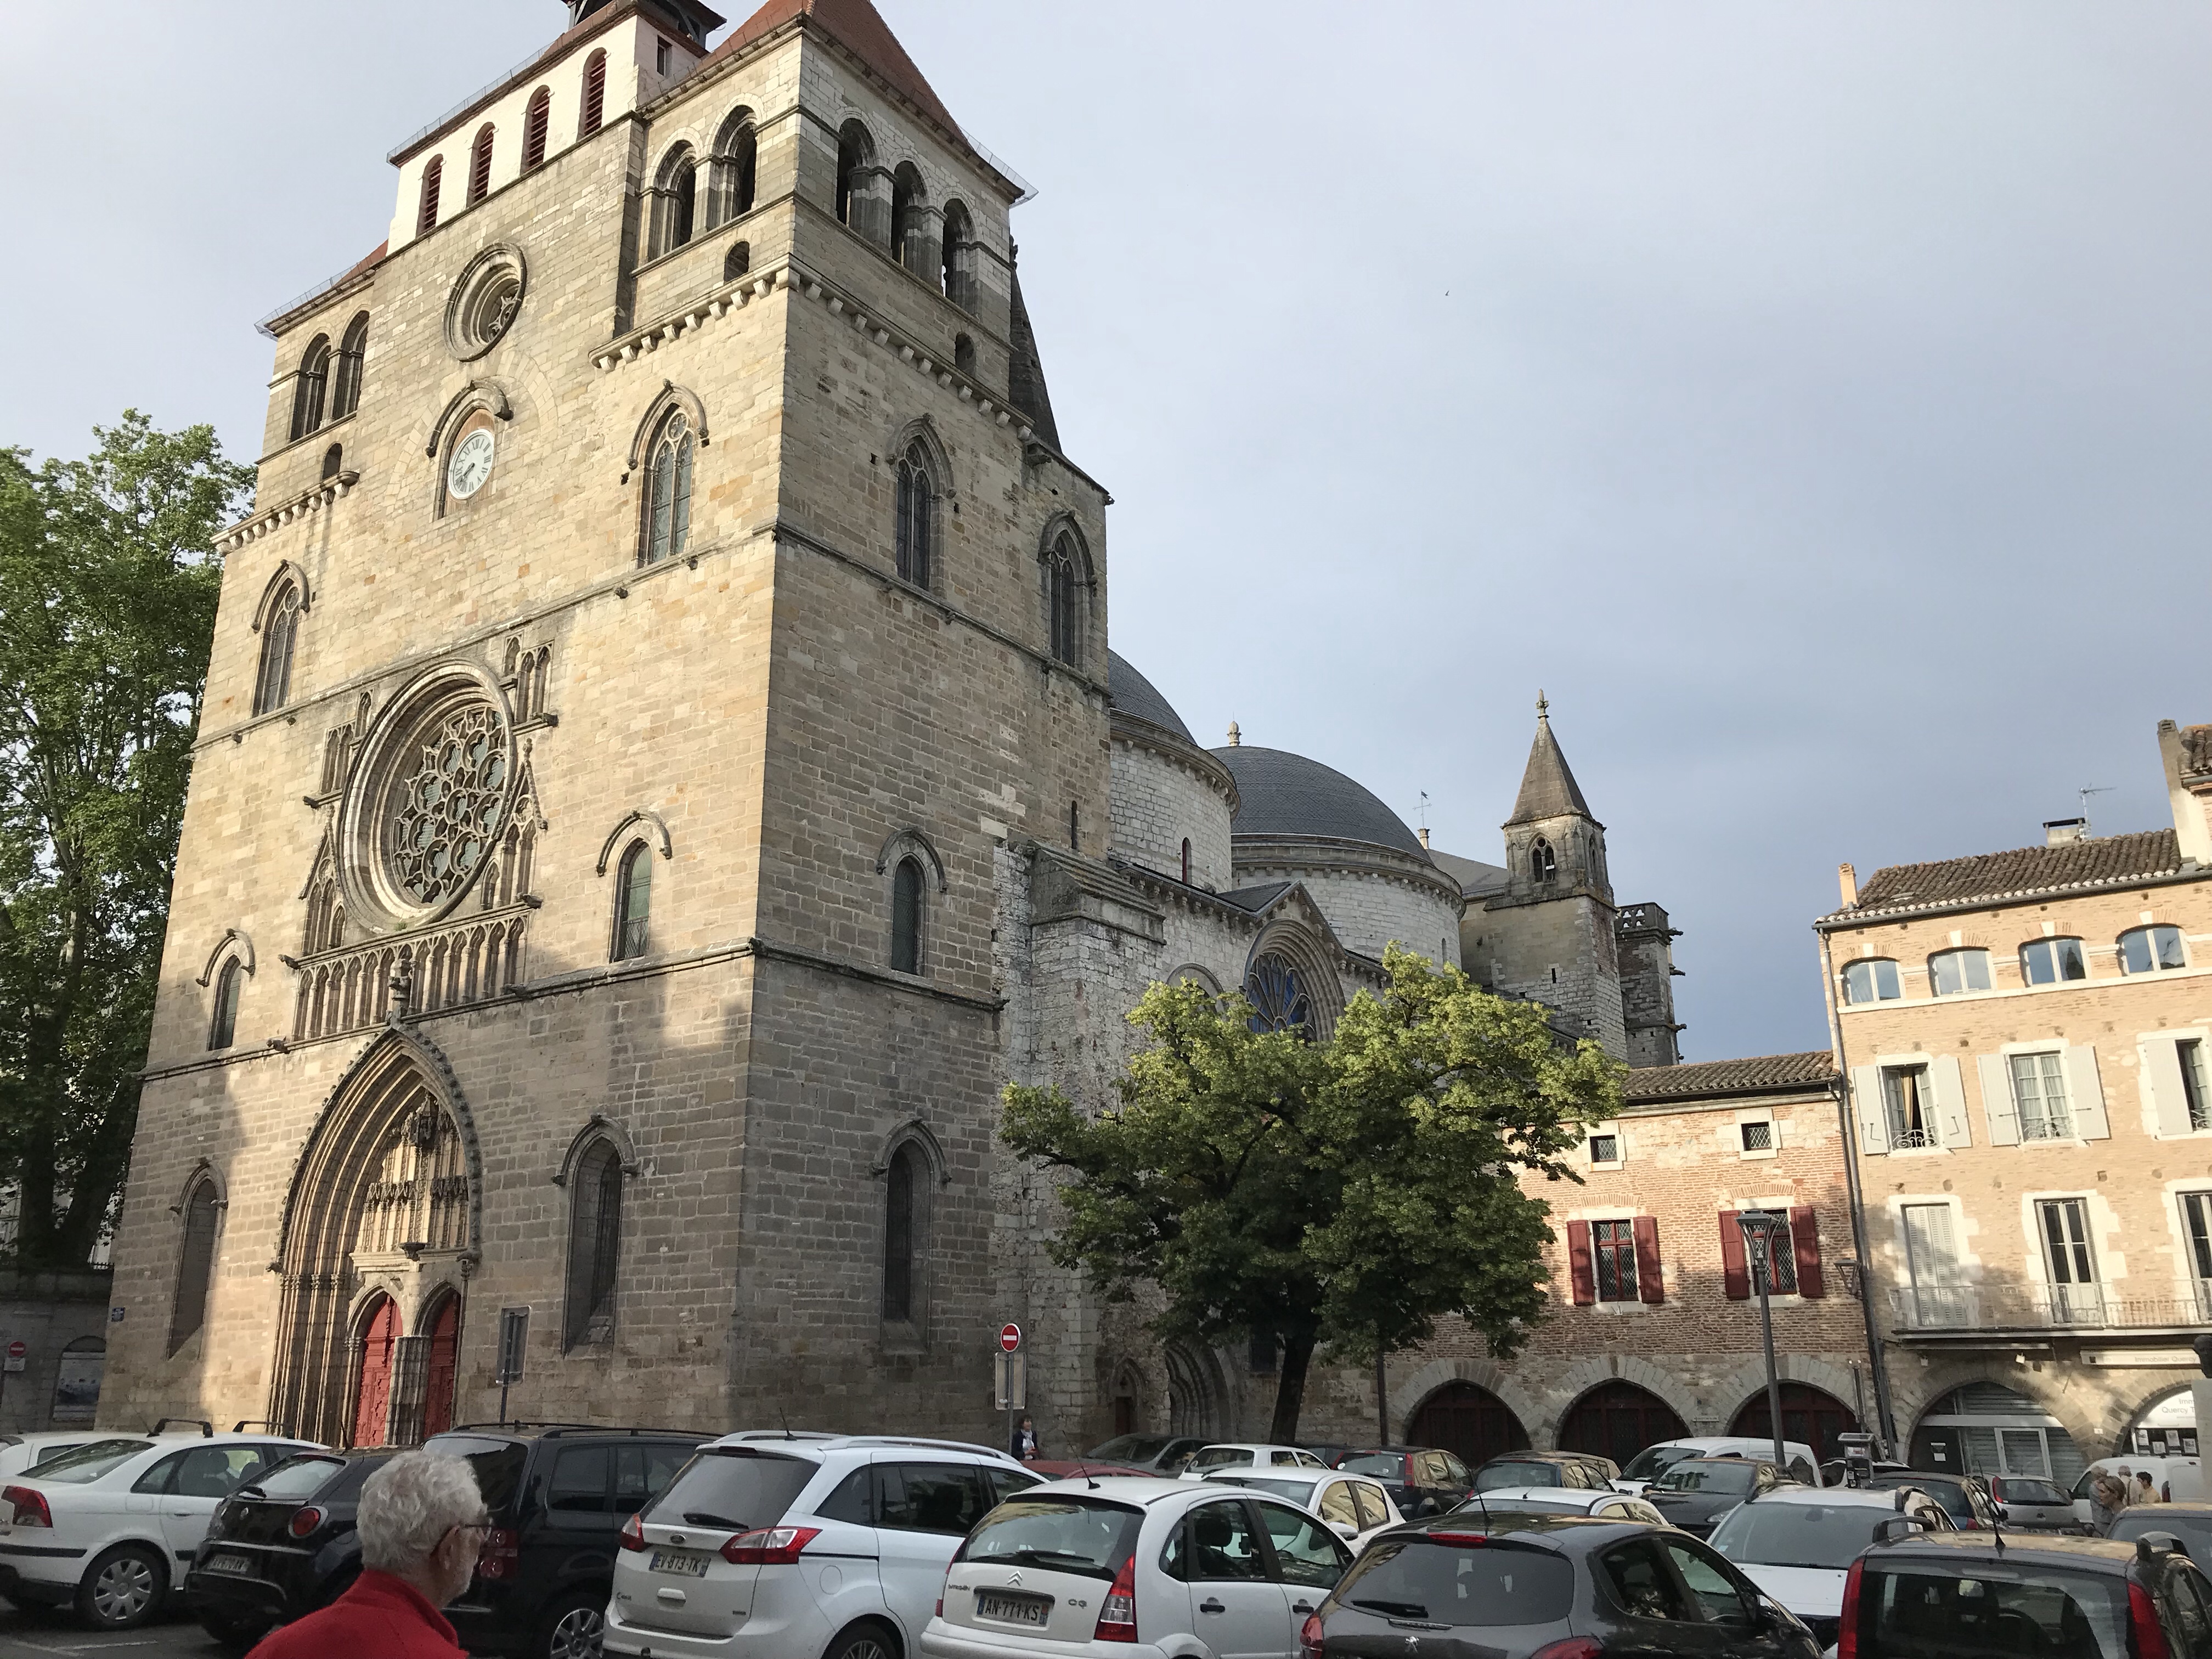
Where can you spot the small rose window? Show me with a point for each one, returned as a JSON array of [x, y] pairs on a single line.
[[448, 809]]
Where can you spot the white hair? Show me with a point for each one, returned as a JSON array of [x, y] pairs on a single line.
[[408, 1506]]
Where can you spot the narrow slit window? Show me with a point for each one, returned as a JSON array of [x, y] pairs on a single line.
[[307, 393], [594, 1244], [223, 1029], [633, 902], [426, 216], [906, 917], [595, 96], [196, 1265], [353, 350], [916, 517], [536, 125], [480, 165], [899, 1195]]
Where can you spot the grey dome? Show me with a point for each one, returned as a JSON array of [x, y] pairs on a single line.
[[1134, 694], [1287, 794]]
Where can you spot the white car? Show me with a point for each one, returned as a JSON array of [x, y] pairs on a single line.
[[1647, 1466], [111, 1527], [1136, 1570], [801, 1545], [1355, 1509], [21, 1451], [1247, 1454], [1798, 1543], [2178, 1479], [1566, 1500]]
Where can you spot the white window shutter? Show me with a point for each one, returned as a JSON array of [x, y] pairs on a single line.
[[1873, 1114], [2169, 1099], [1997, 1104], [2086, 1094], [1949, 1089]]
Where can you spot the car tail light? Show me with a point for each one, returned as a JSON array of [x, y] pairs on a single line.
[[2142, 1620], [1465, 1541], [305, 1521], [502, 1554], [29, 1505], [1847, 1631], [769, 1546], [633, 1533], [1312, 1643], [1575, 1647], [1117, 1613]]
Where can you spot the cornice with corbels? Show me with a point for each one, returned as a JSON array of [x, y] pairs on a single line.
[[308, 502]]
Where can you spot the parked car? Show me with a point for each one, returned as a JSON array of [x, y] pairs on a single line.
[[1421, 1480], [1355, 1509], [1246, 1455], [1798, 1462], [1694, 1493], [1557, 1586], [1049, 1469], [108, 1527], [1607, 1505], [2178, 1479], [2190, 1524], [2032, 1505], [1177, 1567], [1798, 1543], [1963, 1497], [775, 1546], [280, 1545], [1162, 1454], [22, 1452], [1535, 1469], [1970, 1595]]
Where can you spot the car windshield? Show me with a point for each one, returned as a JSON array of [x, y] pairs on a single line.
[[1132, 1448], [1384, 1465], [1726, 1479], [2016, 1489], [2195, 1531], [1988, 1609], [84, 1463], [1655, 1461], [498, 1464], [296, 1477], [1222, 1457], [1951, 1494], [1073, 1534], [1491, 1477], [1297, 1491], [1501, 1581], [733, 1490], [1797, 1535]]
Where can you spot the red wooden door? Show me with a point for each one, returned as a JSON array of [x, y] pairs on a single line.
[[445, 1354], [380, 1343]]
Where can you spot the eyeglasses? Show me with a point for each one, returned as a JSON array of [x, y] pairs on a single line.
[[477, 1527]]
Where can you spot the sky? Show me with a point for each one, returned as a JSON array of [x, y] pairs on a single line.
[[1811, 400]]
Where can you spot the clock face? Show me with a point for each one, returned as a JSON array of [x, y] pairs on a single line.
[[470, 465]]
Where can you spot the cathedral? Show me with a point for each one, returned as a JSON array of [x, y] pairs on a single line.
[[664, 772]]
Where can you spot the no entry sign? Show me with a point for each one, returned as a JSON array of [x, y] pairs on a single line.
[[1010, 1338], [17, 1350]]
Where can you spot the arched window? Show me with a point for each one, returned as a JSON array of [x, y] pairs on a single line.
[[1543, 862], [902, 1194], [2151, 949], [2052, 961], [279, 633], [1872, 978], [333, 462], [674, 201], [963, 353], [196, 1265], [909, 223], [595, 96], [917, 517], [1276, 988], [307, 390], [345, 389], [536, 125], [732, 181], [956, 260], [906, 890], [668, 491], [223, 1029], [633, 902], [858, 202], [480, 165], [595, 1199], [739, 261], [1186, 860], [1063, 599], [426, 216], [1952, 972]]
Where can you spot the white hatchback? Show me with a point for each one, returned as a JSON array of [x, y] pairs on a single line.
[[1247, 1454], [1798, 1543], [110, 1528], [1566, 1500], [1355, 1509], [1130, 1569]]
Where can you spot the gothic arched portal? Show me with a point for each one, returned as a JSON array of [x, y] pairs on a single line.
[[1196, 1393]]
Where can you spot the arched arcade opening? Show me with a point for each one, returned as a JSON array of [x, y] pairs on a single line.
[[1618, 1419], [1812, 1417], [1469, 1421]]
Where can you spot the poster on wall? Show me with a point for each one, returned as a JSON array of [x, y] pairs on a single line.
[[76, 1389]]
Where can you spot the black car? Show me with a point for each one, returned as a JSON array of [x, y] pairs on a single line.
[[1694, 1493], [558, 1494], [1969, 1595], [1963, 1497], [1420, 1479], [2189, 1524], [280, 1545], [1515, 1586]]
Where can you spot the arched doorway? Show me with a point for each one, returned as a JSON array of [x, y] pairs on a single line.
[[443, 1362], [379, 1352], [1810, 1416], [1195, 1392], [1469, 1421], [1618, 1420], [2167, 1427], [1986, 1428]]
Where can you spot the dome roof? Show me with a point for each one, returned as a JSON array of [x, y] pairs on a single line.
[[1133, 694], [1287, 794]]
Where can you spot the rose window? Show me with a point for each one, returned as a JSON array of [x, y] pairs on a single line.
[[447, 806]]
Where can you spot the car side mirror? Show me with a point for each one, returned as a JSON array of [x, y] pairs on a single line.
[[1346, 1531]]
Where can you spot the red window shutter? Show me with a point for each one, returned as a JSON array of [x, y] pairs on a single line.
[[1805, 1234], [1735, 1265], [1651, 1278], [1581, 1271]]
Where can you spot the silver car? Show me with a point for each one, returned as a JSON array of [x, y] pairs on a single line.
[[2033, 1505]]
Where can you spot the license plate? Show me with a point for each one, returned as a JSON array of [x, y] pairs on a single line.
[[230, 1564], [1005, 1609], [685, 1564]]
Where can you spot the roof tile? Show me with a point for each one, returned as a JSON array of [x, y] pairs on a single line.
[[1729, 1076], [2107, 860]]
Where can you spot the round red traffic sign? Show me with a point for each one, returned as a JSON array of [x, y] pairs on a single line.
[[17, 1350], [1010, 1337]]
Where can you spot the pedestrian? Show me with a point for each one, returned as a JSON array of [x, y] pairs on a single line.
[[421, 1523], [1024, 1445], [2108, 1497], [2146, 1492]]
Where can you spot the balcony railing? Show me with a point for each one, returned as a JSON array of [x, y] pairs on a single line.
[[1936, 1308]]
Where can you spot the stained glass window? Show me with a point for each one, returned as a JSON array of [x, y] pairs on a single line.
[[447, 813], [1277, 992]]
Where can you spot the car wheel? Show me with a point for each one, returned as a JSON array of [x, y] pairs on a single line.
[[575, 1627], [864, 1641], [234, 1634], [122, 1589]]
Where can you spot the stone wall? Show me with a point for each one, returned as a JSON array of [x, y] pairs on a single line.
[[1160, 802]]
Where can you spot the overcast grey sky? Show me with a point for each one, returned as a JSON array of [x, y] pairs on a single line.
[[1811, 399]]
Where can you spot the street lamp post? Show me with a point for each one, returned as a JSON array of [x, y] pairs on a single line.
[[1760, 1228]]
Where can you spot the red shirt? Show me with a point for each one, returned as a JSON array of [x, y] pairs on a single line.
[[379, 1618]]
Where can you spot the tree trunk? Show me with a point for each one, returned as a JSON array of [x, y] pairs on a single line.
[[1291, 1387]]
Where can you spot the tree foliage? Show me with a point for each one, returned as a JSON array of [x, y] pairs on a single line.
[[1345, 1193], [107, 599]]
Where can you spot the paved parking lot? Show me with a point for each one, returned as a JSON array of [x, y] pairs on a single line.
[[41, 1636]]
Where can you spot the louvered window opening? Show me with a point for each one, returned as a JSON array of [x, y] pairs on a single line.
[[480, 167], [426, 219], [595, 96], [537, 124]]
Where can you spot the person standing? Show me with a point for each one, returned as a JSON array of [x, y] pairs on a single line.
[[1024, 1443], [2146, 1492], [2108, 1497]]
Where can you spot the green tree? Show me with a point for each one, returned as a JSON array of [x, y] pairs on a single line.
[[1342, 1194], [107, 598]]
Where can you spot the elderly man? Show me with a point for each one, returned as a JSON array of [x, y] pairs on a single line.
[[423, 1523]]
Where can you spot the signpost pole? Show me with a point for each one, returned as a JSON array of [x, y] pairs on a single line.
[[1013, 1379]]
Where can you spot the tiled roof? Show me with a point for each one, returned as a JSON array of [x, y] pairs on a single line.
[[1475, 879], [2105, 861], [1254, 899], [860, 28], [1286, 795], [1548, 789], [1131, 693], [1816, 1069]]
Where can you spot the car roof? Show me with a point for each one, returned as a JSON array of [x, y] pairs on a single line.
[[1146, 1490], [1541, 1457], [2055, 1549], [2149, 1512], [1885, 1478], [813, 1440], [1583, 1528], [1503, 1495], [1251, 1445], [1863, 1498]]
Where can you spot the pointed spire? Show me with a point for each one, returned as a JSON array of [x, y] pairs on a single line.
[[1548, 789]]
